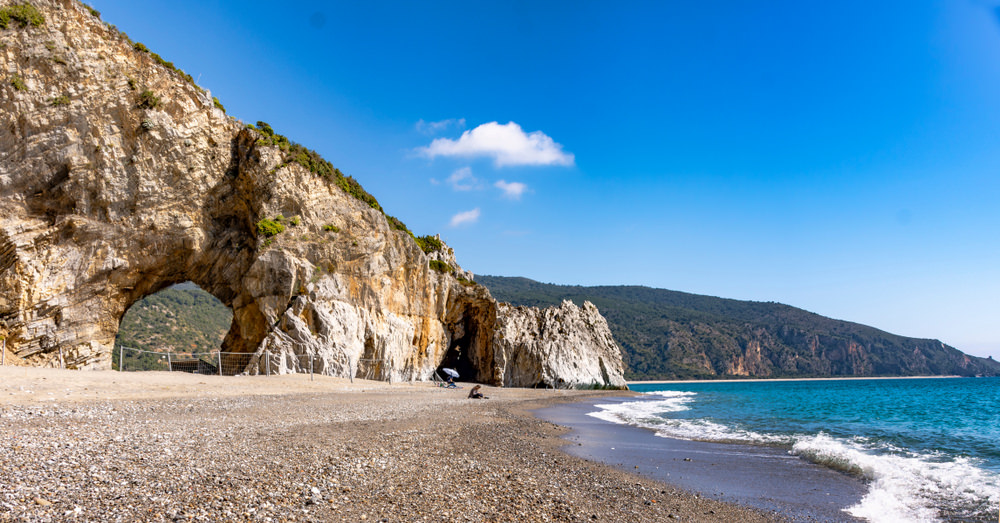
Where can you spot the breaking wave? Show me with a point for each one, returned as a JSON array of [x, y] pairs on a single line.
[[904, 485]]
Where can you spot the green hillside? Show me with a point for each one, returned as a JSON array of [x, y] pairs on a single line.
[[675, 335], [181, 318]]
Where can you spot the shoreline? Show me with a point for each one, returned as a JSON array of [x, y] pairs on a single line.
[[764, 477], [171, 446], [770, 380]]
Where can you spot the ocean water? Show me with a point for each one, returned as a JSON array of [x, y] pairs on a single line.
[[928, 448]]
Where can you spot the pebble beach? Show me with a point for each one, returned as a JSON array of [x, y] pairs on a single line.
[[157, 446]]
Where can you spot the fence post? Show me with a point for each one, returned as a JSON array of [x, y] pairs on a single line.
[[220, 363], [170, 365], [62, 362], [121, 354], [3, 352], [267, 354], [311, 367]]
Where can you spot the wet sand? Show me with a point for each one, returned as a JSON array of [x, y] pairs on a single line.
[[765, 477]]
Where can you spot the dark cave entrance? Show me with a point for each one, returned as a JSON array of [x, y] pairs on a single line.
[[459, 357], [180, 327]]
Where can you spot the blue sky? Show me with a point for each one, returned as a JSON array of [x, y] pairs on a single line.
[[841, 157]]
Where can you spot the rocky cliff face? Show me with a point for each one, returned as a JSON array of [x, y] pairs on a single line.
[[535, 345], [118, 178]]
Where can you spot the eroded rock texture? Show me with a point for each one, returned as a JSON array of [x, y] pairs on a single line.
[[107, 196]]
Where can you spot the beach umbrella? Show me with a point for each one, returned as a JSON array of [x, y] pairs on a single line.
[[451, 372]]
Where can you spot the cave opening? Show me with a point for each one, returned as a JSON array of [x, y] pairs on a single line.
[[180, 327], [458, 356]]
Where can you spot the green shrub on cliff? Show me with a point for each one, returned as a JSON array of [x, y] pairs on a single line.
[[23, 14], [218, 104], [441, 266], [268, 228], [149, 100], [59, 100], [398, 225], [352, 187], [428, 243], [311, 160], [139, 46], [18, 83]]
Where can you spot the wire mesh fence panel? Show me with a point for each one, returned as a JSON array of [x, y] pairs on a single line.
[[196, 362], [129, 359], [235, 362], [264, 363]]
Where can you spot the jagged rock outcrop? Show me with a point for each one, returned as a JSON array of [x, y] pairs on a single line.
[[118, 178], [535, 345]]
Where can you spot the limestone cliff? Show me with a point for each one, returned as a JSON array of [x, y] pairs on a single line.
[[544, 345], [119, 177]]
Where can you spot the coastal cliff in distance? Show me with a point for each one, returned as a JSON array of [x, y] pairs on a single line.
[[119, 177], [675, 335]]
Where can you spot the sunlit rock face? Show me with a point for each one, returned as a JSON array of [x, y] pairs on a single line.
[[107, 196], [567, 346]]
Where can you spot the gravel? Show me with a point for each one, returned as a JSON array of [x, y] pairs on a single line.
[[391, 454]]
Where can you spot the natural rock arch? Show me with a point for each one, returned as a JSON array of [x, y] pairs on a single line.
[[107, 198]]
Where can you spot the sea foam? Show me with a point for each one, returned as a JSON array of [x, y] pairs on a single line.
[[650, 413], [645, 413], [904, 486]]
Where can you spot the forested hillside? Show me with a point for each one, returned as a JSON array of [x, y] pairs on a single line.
[[181, 318], [674, 335]]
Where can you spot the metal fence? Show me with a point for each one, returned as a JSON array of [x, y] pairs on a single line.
[[265, 363]]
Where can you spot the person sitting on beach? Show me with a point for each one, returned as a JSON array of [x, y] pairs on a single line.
[[474, 394], [451, 383]]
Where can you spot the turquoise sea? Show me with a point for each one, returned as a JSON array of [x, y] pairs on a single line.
[[928, 448]]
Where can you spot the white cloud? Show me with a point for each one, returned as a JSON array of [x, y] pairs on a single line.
[[467, 217], [512, 190], [507, 144], [463, 180], [433, 128]]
